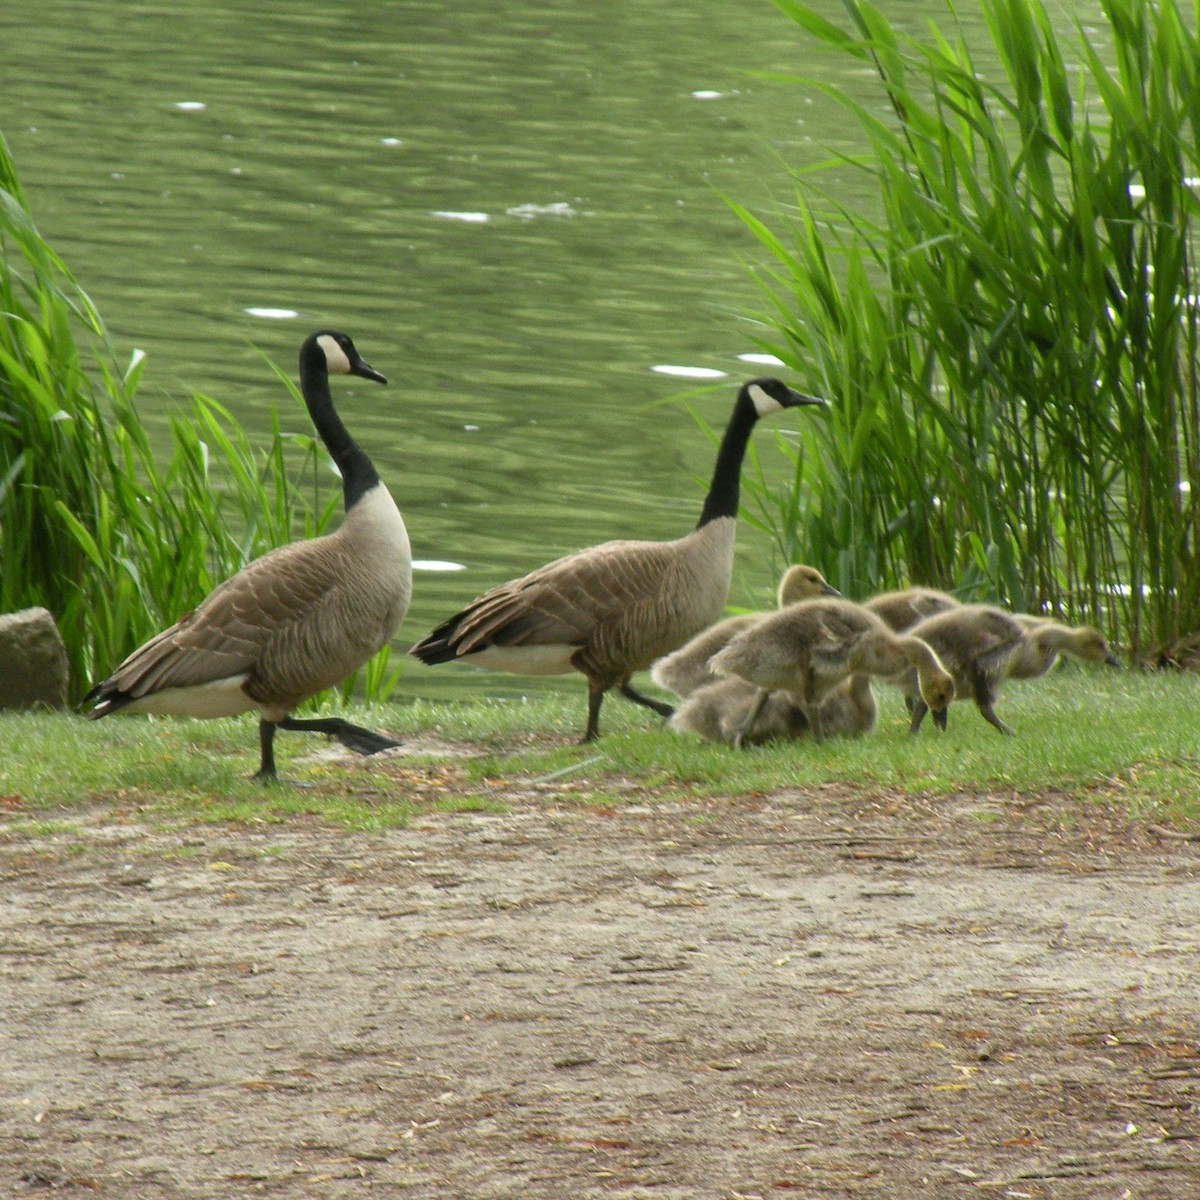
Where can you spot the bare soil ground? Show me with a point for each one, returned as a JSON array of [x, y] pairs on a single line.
[[812, 993]]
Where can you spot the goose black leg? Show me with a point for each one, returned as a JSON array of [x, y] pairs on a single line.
[[595, 698], [630, 693], [266, 743], [353, 737]]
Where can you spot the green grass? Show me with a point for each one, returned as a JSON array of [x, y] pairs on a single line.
[[1077, 736], [1126, 737]]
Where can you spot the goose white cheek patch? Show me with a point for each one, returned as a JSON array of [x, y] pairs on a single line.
[[763, 403], [335, 356]]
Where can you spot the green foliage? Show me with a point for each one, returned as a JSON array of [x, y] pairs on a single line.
[[92, 527], [1011, 344]]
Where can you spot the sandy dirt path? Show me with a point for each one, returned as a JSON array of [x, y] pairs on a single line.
[[811, 994]]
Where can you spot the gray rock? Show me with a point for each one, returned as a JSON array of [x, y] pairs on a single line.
[[33, 661]]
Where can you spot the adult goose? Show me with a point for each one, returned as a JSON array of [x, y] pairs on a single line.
[[686, 669], [295, 621], [612, 609]]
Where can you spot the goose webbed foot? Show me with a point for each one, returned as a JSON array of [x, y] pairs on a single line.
[[271, 779]]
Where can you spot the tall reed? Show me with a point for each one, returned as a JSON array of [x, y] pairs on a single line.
[[92, 527], [1011, 341]]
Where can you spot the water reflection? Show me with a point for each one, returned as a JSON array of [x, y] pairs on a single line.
[[516, 209]]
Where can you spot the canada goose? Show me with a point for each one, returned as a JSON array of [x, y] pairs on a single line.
[[977, 643], [1046, 639], [716, 712], [902, 609], [810, 647], [297, 620], [686, 669], [612, 609]]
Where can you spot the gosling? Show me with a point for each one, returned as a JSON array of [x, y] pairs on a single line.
[[811, 647], [978, 644], [901, 610], [850, 710], [716, 711], [686, 669], [1047, 639]]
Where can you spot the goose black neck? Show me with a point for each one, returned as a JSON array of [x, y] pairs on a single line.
[[358, 472], [723, 491]]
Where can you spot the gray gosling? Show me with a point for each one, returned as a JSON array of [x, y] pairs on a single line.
[[901, 610], [612, 609], [977, 643], [295, 621], [850, 710], [809, 648], [716, 711], [1047, 639], [686, 669]]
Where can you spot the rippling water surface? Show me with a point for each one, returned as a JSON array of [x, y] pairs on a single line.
[[515, 208]]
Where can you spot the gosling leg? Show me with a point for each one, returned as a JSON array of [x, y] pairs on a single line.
[[985, 697], [989, 715], [756, 706]]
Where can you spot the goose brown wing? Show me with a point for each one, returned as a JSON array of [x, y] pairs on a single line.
[[225, 635], [563, 602]]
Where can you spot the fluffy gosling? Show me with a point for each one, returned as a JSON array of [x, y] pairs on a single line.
[[977, 644], [716, 711], [686, 669], [811, 647], [1046, 640], [901, 610]]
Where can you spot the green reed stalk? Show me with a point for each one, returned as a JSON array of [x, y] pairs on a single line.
[[92, 526], [1011, 341]]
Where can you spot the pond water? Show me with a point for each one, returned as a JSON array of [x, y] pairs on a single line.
[[515, 208]]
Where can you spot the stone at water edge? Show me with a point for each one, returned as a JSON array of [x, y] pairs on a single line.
[[33, 661]]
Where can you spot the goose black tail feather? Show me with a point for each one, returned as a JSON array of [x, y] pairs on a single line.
[[104, 699], [437, 646]]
